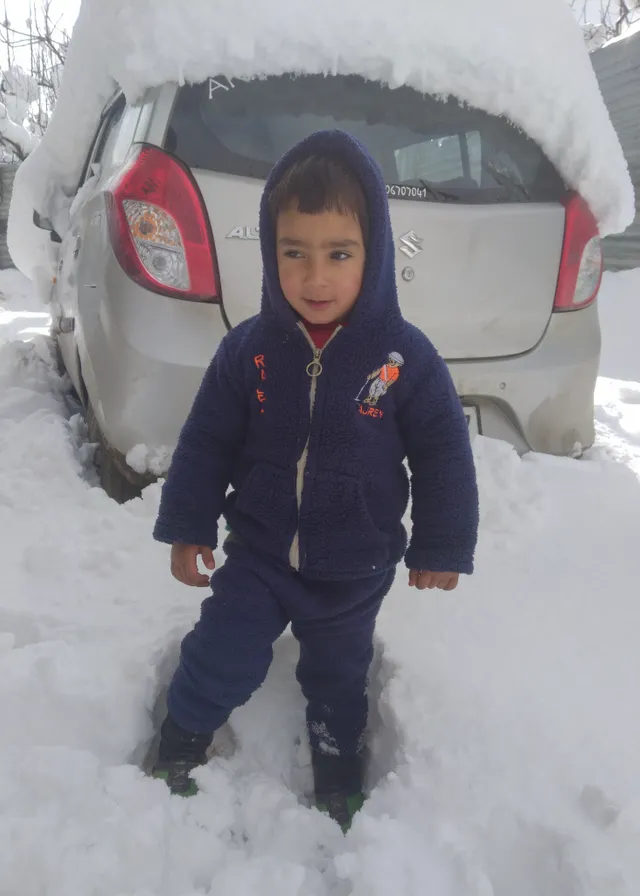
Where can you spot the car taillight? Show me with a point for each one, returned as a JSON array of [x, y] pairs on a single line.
[[581, 263], [159, 228]]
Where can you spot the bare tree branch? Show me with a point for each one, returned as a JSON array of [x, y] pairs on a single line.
[[42, 38], [612, 17]]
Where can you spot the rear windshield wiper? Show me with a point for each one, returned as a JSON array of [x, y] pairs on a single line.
[[507, 179], [436, 193]]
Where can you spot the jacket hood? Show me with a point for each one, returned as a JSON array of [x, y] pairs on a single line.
[[378, 298]]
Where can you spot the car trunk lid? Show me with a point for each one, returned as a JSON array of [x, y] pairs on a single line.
[[475, 205]]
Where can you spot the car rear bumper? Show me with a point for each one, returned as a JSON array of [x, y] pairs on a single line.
[[542, 400]]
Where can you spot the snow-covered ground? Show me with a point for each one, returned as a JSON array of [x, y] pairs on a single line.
[[505, 722]]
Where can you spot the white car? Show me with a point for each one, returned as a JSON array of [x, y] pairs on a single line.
[[497, 260]]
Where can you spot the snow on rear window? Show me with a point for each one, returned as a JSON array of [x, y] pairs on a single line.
[[428, 149]]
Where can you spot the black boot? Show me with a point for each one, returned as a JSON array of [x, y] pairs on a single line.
[[179, 752], [338, 782]]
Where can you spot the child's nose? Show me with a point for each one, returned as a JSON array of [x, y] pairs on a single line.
[[315, 272]]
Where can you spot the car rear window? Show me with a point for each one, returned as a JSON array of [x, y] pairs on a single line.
[[429, 149]]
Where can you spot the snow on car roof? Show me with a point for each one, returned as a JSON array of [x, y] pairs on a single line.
[[498, 55]]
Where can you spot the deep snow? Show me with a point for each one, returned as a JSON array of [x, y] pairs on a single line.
[[527, 62], [505, 730]]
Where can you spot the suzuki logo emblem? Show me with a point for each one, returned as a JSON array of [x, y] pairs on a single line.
[[411, 244]]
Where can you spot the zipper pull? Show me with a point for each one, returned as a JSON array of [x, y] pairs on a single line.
[[314, 368]]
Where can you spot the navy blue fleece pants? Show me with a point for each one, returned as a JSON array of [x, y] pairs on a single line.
[[227, 655]]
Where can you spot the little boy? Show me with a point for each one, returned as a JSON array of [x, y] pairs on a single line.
[[308, 411]]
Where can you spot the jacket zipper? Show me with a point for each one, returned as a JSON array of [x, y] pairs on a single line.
[[314, 370]]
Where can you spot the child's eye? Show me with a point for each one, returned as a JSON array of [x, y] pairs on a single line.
[[339, 255], [292, 253]]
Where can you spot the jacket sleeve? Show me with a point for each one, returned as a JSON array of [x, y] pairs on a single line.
[[444, 489], [194, 492]]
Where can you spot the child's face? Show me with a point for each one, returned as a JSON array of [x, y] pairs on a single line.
[[320, 262]]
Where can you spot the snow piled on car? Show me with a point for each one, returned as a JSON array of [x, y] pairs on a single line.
[[529, 65]]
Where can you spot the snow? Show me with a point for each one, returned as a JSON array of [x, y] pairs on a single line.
[[24, 141], [149, 460], [504, 730], [19, 91], [498, 55], [628, 31]]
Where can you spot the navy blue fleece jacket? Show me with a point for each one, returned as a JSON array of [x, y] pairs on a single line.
[[384, 396]]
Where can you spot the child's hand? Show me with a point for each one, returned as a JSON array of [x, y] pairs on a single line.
[[184, 563], [422, 578]]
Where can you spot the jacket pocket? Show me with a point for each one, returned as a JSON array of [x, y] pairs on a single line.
[[336, 518], [267, 499]]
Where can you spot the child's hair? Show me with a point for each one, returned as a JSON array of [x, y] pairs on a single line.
[[321, 183]]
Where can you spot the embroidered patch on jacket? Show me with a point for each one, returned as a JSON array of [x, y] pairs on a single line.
[[378, 384], [262, 371]]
